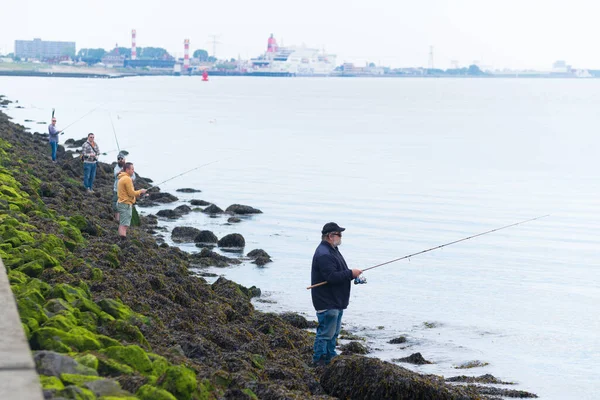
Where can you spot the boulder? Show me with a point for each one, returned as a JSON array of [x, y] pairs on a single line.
[[354, 348], [242, 209], [260, 257], [50, 363], [357, 377], [232, 240], [415, 358], [199, 203], [212, 209], [233, 220], [171, 214], [297, 320], [188, 190], [398, 340], [161, 197], [184, 234], [206, 237], [183, 209], [208, 258]]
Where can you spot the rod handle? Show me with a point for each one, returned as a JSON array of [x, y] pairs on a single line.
[[316, 285]]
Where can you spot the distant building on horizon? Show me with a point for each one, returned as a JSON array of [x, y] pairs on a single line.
[[43, 50]]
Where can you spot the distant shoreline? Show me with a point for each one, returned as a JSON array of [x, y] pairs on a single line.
[[100, 75]]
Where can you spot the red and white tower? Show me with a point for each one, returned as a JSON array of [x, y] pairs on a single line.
[[133, 51], [186, 54]]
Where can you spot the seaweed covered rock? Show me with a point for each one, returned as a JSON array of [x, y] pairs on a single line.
[[188, 190], [357, 378], [208, 258], [206, 237], [297, 320], [242, 209], [161, 197], [232, 240], [184, 234], [197, 202], [171, 214], [212, 209], [398, 340], [354, 348], [260, 257], [415, 358], [183, 209]]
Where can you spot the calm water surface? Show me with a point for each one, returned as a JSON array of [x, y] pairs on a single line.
[[404, 165]]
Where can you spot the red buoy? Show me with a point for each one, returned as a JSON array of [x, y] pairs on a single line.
[[205, 76]]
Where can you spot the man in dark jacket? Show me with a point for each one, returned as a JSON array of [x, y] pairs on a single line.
[[330, 300]]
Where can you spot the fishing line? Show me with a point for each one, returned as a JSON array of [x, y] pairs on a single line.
[[440, 246], [183, 173]]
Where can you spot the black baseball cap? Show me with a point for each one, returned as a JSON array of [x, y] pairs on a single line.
[[331, 227]]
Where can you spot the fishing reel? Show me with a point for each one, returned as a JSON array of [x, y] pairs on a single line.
[[360, 279]]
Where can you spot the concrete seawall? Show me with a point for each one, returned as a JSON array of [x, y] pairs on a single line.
[[18, 378]]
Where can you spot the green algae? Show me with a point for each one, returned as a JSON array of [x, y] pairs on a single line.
[[148, 392], [179, 380], [132, 356], [76, 393], [125, 331], [51, 383], [89, 360], [250, 393], [78, 380], [110, 367], [65, 321]]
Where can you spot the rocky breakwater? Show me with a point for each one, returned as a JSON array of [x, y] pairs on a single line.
[[109, 319]]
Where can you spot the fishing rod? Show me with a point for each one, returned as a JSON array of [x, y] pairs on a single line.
[[183, 173], [439, 247], [114, 131], [73, 123]]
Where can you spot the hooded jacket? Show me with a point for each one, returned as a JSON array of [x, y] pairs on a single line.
[[125, 190]]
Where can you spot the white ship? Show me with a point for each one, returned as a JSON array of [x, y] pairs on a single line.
[[291, 61]]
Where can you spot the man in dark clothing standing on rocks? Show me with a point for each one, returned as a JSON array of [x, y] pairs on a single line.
[[90, 152], [332, 299], [53, 138]]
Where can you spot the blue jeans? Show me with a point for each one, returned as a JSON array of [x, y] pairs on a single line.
[[54, 146], [330, 323], [89, 173]]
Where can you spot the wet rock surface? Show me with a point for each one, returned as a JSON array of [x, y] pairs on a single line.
[[354, 348], [199, 203], [232, 240], [398, 340], [260, 257], [184, 234], [206, 237], [188, 190], [242, 209], [415, 358], [212, 209], [356, 377]]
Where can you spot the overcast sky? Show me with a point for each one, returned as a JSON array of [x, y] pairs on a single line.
[[507, 33]]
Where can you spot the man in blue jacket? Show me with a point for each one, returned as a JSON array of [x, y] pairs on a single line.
[[332, 299]]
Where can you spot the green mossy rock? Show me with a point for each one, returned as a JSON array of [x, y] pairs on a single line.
[[71, 232], [76, 393], [62, 342], [68, 293], [64, 321], [41, 256], [52, 245], [51, 383], [78, 221], [132, 356], [89, 360], [26, 330], [159, 364], [115, 308], [55, 306], [78, 380], [32, 268], [110, 367], [16, 237], [250, 394], [125, 331], [17, 278], [107, 341], [148, 392], [30, 294], [180, 381], [97, 275], [29, 308], [118, 398]]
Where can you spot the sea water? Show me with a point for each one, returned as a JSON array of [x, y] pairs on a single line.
[[405, 165]]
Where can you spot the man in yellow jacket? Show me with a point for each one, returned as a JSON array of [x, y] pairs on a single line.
[[126, 198]]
